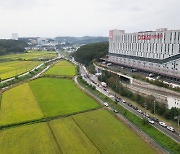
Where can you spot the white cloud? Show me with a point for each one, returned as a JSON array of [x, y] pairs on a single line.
[[50, 18]]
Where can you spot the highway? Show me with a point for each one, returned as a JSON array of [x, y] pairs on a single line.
[[89, 78]]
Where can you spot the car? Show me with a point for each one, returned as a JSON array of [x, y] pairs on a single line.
[[134, 70], [123, 101], [151, 75], [106, 104], [135, 107], [155, 119], [119, 98], [115, 111], [170, 128], [163, 124], [104, 89], [146, 115], [151, 121], [111, 96], [140, 111], [116, 99], [129, 104], [108, 91]]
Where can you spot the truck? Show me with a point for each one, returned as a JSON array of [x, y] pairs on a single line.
[[109, 64], [103, 84]]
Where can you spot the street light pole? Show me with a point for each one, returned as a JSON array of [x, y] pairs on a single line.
[[154, 107], [178, 118], [101, 75]]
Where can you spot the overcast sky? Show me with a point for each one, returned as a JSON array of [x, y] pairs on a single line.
[[51, 18]]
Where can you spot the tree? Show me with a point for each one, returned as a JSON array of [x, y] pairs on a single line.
[[87, 53]]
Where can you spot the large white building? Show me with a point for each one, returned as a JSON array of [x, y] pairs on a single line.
[[155, 51], [14, 36]]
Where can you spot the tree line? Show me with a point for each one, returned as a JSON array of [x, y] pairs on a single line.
[[147, 102], [12, 46], [87, 53]]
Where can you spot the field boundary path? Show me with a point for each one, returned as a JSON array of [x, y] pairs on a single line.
[[86, 135], [55, 139], [45, 119]]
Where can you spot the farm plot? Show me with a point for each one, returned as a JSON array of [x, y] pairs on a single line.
[[109, 134], [60, 96], [18, 105], [30, 55], [13, 68], [62, 68], [71, 137], [35, 138]]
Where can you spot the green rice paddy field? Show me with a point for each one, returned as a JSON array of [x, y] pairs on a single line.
[[43, 97], [89, 133], [110, 135], [60, 96], [29, 55], [62, 68], [19, 105], [13, 68], [28, 139]]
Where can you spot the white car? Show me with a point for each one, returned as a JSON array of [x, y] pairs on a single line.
[[106, 104], [123, 101], [139, 111], [151, 121], [163, 124], [146, 115], [170, 128]]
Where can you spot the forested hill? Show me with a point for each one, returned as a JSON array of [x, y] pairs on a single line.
[[12, 46], [88, 52]]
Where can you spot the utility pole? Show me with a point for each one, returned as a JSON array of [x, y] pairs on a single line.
[[101, 75], [145, 106], [178, 118], [117, 84], [154, 107]]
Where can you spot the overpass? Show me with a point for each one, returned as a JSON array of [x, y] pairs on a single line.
[[120, 75]]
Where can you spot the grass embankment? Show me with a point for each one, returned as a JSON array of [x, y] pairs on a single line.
[[157, 135], [22, 78], [18, 105], [62, 68], [14, 68], [35, 138], [71, 137], [60, 96]]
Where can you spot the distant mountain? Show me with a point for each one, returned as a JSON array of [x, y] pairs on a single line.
[[82, 40], [12, 46]]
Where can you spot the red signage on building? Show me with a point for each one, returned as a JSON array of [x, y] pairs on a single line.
[[110, 34], [149, 37]]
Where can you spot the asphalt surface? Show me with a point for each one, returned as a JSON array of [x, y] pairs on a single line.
[[89, 78]]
